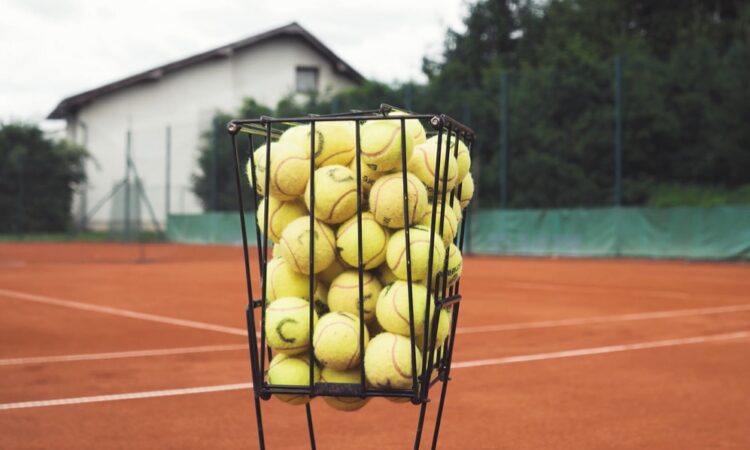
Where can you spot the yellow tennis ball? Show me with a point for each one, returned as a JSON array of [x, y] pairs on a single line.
[[334, 141], [456, 209], [280, 214], [283, 281], [443, 330], [388, 361], [328, 375], [449, 223], [413, 127], [285, 370], [335, 194], [423, 164], [387, 199], [289, 171], [467, 190], [455, 264], [288, 325], [386, 275], [459, 150], [320, 299], [374, 241], [336, 340], [334, 270], [367, 175], [295, 245], [380, 143], [392, 309], [419, 250], [343, 294]]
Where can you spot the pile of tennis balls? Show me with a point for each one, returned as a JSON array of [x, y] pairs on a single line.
[[336, 319]]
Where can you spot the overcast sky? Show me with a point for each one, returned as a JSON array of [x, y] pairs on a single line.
[[50, 49]]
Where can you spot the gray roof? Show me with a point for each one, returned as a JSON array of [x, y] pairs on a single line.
[[71, 104]]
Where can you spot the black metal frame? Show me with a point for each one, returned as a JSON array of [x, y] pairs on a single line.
[[446, 128]]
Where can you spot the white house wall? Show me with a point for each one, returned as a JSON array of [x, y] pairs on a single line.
[[185, 101]]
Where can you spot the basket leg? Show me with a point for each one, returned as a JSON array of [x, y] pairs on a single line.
[[420, 425], [259, 419], [310, 425], [444, 390]]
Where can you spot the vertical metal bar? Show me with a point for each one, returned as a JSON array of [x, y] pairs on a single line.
[[420, 423], [19, 199], [168, 175], [444, 390], [250, 312], [618, 130], [415, 384], [310, 428], [504, 140], [360, 263], [258, 234], [214, 168], [312, 260], [264, 255], [127, 186]]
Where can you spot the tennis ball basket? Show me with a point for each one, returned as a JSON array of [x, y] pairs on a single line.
[[359, 295]]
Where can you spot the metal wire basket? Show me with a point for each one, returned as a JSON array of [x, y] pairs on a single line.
[[436, 363]]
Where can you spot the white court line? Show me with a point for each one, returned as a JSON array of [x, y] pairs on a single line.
[[603, 319], [457, 365], [117, 355], [122, 312]]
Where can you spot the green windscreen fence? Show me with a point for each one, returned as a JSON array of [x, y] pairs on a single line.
[[719, 233]]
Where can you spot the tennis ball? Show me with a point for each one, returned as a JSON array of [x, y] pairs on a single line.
[[374, 241], [419, 250], [367, 175], [288, 325], [283, 281], [334, 141], [380, 143], [328, 375], [455, 264], [336, 340], [386, 275], [457, 209], [449, 221], [343, 294], [413, 127], [280, 214], [290, 170], [285, 370], [392, 309], [387, 199], [320, 300], [295, 245], [259, 159], [335, 194], [388, 361], [423, 164], [443, 330], [467, 190], [334, 270], [459, 150]]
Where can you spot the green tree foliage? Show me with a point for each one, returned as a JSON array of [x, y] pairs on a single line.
[[37, 180]]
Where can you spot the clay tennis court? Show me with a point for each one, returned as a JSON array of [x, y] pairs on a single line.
[[127, 346]]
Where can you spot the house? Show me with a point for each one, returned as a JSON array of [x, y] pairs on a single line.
[[182, 96]]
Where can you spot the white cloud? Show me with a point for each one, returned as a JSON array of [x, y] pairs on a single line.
[[50, 49]]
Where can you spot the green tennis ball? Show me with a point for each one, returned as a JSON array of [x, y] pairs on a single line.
[[328, 375], [387, 199], [335, 194], [374, 241], [392, 309], [285, 370], [343, 294], [380, 143], [419, 250], [283, 281], [288, 325], [388, 361], [334, 141], [336, 340], [295, 245], [280, 215]]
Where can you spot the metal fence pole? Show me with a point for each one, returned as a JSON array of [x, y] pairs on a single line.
[[618, 131], [504, 140], [408, 96], [127, 186], [167, 175], [214, 168]]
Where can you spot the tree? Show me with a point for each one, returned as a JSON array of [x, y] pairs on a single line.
[[37, 180]]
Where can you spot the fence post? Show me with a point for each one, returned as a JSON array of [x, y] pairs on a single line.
[[214, 168], [127, 186], [167, 175], [504, 140], [618, 131], [408, 96], [20, 205]]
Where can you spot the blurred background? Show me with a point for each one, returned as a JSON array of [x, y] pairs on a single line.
[[606, 127]]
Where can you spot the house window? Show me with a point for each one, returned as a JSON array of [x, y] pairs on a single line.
[[307, 79]]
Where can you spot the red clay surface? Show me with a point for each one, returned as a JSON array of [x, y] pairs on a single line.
[[688, 387]]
